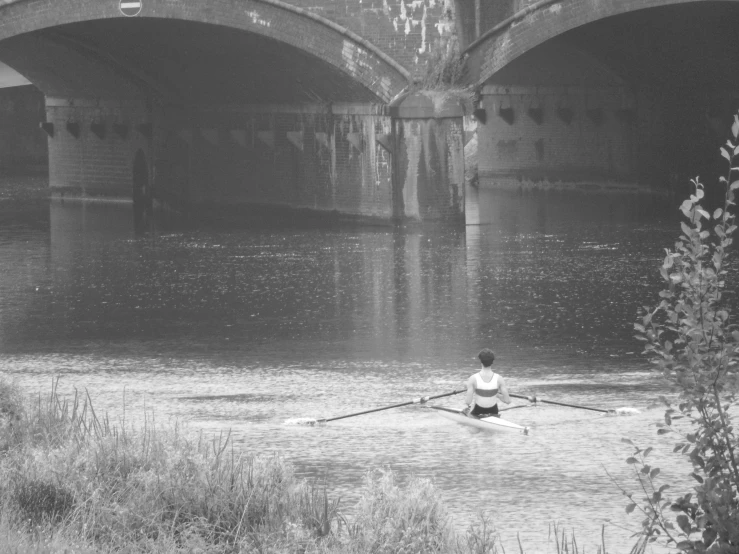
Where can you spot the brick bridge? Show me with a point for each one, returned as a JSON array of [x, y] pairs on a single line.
[[269, 104]]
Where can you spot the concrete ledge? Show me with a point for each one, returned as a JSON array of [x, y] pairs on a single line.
[[91, 195], [509, 183], [246, 214], [96, 103], [338, 108], [427, 105], [561, 90]]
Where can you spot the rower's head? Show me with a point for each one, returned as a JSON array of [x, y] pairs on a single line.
[[487, 357]]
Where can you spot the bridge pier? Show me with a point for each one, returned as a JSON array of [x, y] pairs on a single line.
[[429, 166], [223, 160], [361, 162], [558, 137]]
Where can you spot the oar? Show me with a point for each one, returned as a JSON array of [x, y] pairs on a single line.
[[422, 400], [534, 399]]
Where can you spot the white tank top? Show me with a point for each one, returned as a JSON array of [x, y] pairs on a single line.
[[486, 394]]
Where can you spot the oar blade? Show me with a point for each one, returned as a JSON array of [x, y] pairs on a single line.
[[301, 421], [626, 411]]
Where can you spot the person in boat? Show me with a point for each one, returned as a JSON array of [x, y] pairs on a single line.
[[485, 388]]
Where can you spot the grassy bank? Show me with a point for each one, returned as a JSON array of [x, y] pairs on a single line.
[[71, 481]]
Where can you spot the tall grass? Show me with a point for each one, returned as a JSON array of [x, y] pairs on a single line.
[[66, 470], [72, 482], [394, 519]]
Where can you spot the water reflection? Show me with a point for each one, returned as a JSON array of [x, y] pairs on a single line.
[[381, 291], [546, 211], [244, 328]]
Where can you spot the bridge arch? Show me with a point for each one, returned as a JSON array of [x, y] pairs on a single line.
[[602, 95], [541, 21], [352, 62]]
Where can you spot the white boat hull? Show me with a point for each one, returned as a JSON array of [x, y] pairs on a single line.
[[492, 424]]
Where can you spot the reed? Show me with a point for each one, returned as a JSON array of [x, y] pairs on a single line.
[[393, 519], [70, 481], [65, 470]]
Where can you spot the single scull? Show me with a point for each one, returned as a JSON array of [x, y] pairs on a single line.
[[493, 423]]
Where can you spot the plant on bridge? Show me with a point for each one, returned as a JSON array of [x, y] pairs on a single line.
[[445, 65], [690, 339]]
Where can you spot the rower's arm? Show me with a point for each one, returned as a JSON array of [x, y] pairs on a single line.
[[503, 391], [470, 395]]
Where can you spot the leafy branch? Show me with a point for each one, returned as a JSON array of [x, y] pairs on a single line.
[[691, 341]]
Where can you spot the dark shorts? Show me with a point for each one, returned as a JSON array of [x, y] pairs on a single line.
[[484, 412]]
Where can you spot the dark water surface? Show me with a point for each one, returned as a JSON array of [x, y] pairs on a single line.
[[245, 328]]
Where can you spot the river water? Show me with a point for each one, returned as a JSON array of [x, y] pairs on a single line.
[[246, 328]]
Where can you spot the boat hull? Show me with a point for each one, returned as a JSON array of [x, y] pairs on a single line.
[[491, 424]]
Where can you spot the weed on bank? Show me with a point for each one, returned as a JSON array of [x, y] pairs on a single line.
[[72, 482]]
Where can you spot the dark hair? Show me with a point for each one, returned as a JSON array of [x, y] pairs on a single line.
[[487, 357]]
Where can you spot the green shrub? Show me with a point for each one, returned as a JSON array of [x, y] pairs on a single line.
[[445, 65], [392, 519], [693, 343]]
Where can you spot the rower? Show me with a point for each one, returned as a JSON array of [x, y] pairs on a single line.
[[485, 388]]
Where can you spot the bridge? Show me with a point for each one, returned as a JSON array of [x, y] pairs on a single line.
[[321, 106]]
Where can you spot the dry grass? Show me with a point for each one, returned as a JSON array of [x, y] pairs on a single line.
[[68, 473], [72, 482]]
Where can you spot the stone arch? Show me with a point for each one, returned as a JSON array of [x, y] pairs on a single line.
[[273, 19], [540, 22]]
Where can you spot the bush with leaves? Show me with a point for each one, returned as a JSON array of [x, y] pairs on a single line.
[[690, 339], [445, 65]]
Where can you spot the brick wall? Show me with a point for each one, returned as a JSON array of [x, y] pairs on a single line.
[[430, 168], [578, 139], [556, 116], [89, 165], [429, 157], [299, 158], [22, 145], [403, 29]]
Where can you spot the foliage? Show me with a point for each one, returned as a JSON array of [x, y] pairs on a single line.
[[393, 520], [481, 537], [692, 342], [445, 65]]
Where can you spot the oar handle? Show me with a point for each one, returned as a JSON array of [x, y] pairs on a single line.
[[558, 403], [421, 400]]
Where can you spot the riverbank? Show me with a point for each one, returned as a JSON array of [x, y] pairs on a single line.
[[243, 329], [73, 481]]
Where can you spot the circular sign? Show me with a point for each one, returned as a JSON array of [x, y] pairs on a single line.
[[130, 8]]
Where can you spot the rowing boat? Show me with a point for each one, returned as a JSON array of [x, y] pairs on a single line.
[[492, 423]]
